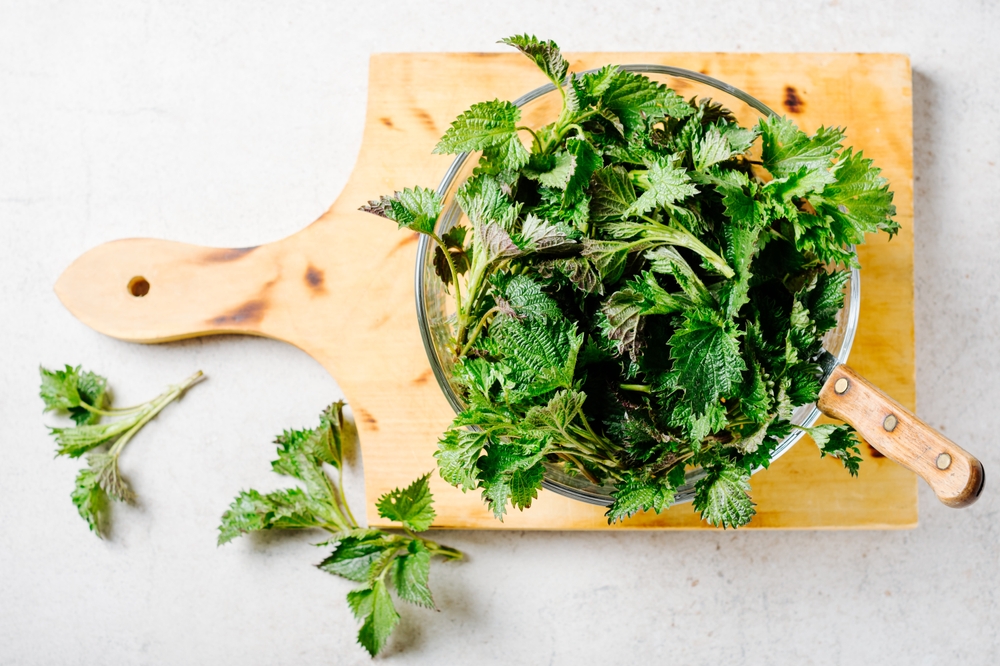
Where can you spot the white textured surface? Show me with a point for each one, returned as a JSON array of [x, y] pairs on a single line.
[[232, 124]]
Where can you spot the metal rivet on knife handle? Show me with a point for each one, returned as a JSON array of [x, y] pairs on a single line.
[[841, 386], [943, 461], [890, 423]]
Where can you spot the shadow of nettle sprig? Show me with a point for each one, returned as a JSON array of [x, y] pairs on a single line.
[[84, 396], [378, 559]]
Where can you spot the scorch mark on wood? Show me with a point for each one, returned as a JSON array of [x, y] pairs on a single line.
[[229, 254], [426, 119], [251, 312], [409, 238], [367, 418], [792, 101], [314, 279]]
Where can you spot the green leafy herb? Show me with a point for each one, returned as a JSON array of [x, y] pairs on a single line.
[[642, 292], [84, 396], [378, 559]]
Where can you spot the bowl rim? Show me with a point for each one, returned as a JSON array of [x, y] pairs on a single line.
[[686, 492]]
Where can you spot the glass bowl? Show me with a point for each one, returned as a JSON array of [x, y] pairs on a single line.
[[435, 307]]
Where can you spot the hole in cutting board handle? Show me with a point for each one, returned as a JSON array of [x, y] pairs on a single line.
[[138, 286]]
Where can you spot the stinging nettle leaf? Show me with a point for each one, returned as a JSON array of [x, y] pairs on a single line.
[[59, 388], [484, 201], [666, 183], [612, 194], [380, 621], [458, 451], [411, 506], [558, 414], [667, 260], [109, 478], [545, 54], [91, 501], [711, 149], [591, 86], [487, 125], [858, 198], [635, 495], [587, 161], [249, 512], [539, 235], [637, 99], [525, 484], [526, 296], [498, 468], [786, 149], [76, 441], [839, 441], [723, 497], [706, 353], [410, 572], [354, 556], [414, 208], [620, 324]]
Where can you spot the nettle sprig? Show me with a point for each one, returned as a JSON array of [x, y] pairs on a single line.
[[84, 396], [643, 291], [378, 559]]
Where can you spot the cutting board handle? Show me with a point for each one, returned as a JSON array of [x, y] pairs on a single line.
[[955, 475], [147, 290]]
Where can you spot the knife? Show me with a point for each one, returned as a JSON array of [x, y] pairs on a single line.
[[955, 476]]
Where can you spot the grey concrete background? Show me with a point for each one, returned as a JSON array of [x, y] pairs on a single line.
[[234, 124]]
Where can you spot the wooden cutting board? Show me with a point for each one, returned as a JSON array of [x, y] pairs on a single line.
[[342, 288]]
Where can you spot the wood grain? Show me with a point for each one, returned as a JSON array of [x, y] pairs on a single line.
[[344, 284], [955, 475]]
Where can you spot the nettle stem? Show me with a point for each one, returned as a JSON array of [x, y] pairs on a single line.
[[676, 234], [451, 266], [155, 407], [485, 319], [123, 411], [342, 498]]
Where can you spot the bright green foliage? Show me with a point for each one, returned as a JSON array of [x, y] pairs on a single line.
[[839, 441], [545, 54], [706, 353], [638, 298], [410, 572], [415, 208], [73, 390], [634, 495], [638, 101], [378, 559], [723, 497], [556, 170], [372, 604], [84, 397], [613, 194], [412, 507], [858, 199], [458, 451], [90, 500], [490, 126], [665, 183], [786, 149]]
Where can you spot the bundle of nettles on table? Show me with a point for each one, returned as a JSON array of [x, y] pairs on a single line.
[[637, 294]]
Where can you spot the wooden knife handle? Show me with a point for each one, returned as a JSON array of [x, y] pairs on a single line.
[[955, 476]]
